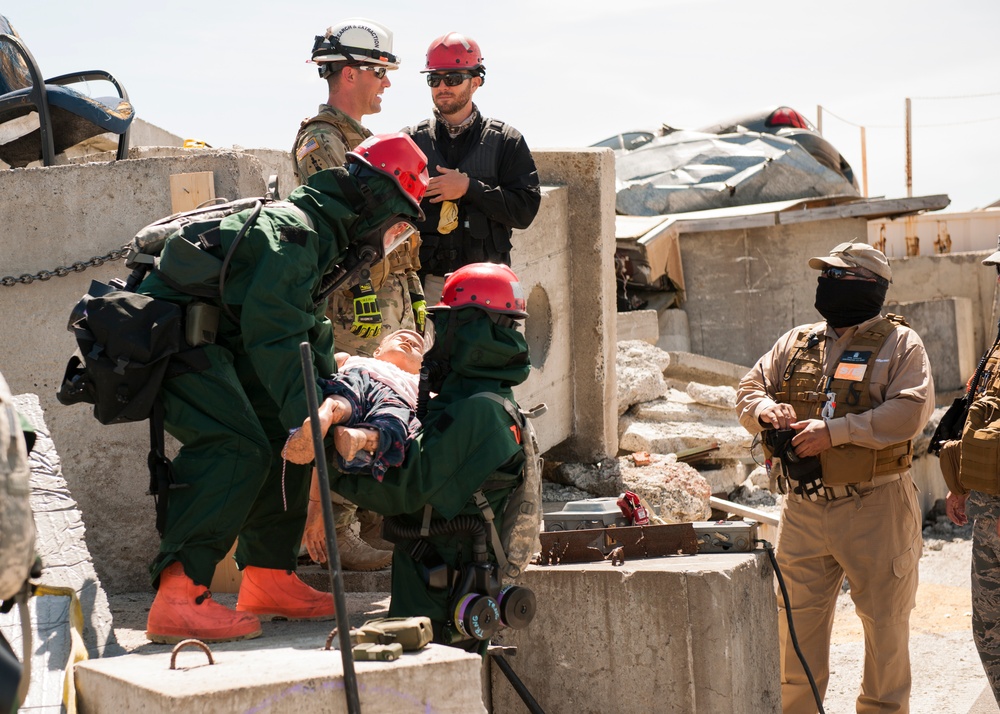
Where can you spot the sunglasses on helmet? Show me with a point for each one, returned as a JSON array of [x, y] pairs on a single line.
[[451, 79], [379, 72]]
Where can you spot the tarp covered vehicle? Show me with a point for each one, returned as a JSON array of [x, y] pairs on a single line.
[[760, 158]]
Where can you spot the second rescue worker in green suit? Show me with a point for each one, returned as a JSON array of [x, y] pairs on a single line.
[[233, 417]]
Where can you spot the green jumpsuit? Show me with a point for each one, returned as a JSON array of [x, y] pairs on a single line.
[[232, 418], [465, 444]]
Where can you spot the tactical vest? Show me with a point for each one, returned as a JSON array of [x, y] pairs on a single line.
[[477, 238], [980, 464], [805, 386], [404, 257]]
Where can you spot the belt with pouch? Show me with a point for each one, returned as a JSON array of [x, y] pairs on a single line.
[[833, 493]]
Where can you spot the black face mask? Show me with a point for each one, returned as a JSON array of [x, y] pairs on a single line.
[[844, 303]]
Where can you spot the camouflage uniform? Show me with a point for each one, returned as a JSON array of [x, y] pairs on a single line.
[[984, 510], [322, 142]]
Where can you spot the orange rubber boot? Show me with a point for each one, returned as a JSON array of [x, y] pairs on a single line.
[[273, 593], [182, 610]]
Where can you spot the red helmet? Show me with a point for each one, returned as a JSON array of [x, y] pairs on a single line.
[[454, 51], [489, 286], [399, 158]]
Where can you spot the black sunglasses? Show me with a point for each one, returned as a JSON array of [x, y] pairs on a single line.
[[841, 273], [452, 79]]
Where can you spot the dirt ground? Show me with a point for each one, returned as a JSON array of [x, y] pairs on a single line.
[[947, 675]]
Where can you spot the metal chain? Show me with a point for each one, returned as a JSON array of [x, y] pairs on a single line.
[[63, 271]]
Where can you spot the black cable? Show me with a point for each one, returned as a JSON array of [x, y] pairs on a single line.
[[515, 681], [791, 628]]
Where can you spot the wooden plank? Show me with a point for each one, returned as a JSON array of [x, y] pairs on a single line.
[[188, 191], [227, 577], [753, 514], [768, 529]]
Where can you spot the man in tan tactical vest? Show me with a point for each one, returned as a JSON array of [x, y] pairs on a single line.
[[354, 57], [855, 389]]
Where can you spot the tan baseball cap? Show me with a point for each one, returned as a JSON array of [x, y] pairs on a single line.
[[855, 255], [994, 259]]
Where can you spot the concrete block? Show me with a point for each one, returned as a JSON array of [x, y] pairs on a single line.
[[589, 176], [945, 326], [675, 334], [733, 441], [689, 367], [722, 475], [295, 674], [539, 253], [639, 325], [677, 406], [745, 287], [687, 634]]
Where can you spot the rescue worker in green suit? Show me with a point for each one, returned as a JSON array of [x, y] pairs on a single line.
[[467, 444], [233, 417]]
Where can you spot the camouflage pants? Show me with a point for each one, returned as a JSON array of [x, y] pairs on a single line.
[[984, 510], [397, 314]]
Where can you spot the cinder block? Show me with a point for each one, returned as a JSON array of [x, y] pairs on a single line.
[[686, 634], [946, 328], [675, 334], [638, 325]]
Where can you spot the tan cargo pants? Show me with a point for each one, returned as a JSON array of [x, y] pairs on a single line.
[[875, 540]]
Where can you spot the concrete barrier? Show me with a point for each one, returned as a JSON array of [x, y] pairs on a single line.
[[686, 634]]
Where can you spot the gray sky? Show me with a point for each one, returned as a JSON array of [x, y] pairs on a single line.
[[571, 73]]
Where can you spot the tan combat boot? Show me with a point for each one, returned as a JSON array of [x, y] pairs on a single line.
[[355, 554], [371, 529]]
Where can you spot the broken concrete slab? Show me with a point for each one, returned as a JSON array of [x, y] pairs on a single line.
[[679, 635], [733, 441], [679, 406], [689, 367], [600, 479], [640, 373], [676, 491], [722, 397]]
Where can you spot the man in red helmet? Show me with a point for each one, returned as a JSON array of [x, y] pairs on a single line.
[[354, 57], [233, 407], [483, 178]]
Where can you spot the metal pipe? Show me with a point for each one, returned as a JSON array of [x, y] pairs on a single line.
[[336, 575]]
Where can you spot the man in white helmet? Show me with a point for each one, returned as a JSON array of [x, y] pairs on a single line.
[[354, 57]]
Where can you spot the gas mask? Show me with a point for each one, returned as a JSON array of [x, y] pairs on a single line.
[[364, 252]]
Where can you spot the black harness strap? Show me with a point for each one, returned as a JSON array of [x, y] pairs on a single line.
[[161, 472]]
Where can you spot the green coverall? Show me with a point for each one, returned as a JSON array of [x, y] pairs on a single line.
[[465, 444], [233, 418]]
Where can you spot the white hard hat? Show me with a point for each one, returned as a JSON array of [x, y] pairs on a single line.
[[355, 41]]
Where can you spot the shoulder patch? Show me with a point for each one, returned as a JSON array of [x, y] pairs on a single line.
[[307, 148]]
